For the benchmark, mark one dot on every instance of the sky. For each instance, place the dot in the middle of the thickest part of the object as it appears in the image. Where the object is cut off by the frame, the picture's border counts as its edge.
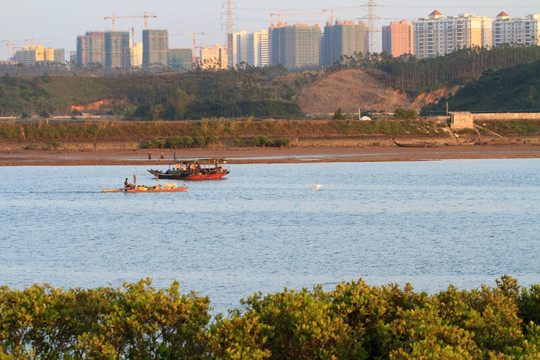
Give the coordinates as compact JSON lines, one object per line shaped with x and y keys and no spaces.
{"x":57,"y":23}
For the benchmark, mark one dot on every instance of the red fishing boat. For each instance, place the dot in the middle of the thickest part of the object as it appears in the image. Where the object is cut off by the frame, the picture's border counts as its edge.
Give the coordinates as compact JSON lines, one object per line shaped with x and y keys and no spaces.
{"x":205,"y":169}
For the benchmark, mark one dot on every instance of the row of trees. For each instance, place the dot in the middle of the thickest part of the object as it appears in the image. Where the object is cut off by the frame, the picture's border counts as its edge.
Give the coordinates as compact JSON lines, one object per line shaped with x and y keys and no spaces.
{"x":353,"y":321}
{"x":515,"y":88}
{"x":227,"y":93}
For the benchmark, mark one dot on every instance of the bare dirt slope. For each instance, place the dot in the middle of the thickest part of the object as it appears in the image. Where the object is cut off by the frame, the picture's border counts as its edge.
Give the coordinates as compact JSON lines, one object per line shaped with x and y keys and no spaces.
{"x":352,"y":89}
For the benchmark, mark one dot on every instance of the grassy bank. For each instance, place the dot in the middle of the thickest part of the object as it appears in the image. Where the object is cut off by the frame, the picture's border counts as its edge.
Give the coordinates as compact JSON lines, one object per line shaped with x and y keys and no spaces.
{"x":221,"y":128}
{"x":220,"y":132}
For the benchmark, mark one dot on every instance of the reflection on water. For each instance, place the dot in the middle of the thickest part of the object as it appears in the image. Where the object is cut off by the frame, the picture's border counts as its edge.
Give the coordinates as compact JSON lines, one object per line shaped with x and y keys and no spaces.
{"x":264,"y":228}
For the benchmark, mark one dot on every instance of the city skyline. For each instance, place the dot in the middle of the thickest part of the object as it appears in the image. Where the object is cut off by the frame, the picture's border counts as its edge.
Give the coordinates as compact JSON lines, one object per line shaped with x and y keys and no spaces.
{"x":58,"y":26}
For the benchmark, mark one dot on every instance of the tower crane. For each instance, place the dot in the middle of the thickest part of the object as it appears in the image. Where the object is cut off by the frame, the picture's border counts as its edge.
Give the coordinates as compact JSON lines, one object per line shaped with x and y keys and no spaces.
{"x":331,"y":10}
{"x":32,"y":39}
{"x":279,"y":13}
{"x":145,"y":16}
{"x":193,"y":56}
{"x":8,"y":44}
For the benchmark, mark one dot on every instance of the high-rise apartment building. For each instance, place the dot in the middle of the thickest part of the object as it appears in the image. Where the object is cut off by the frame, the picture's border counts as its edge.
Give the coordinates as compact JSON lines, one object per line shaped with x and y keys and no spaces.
{"x":438,"y":35}
{"x":31,"y":55}
{"x":524,"y":30}
{"x":258,"y":52}
{"x":213,"y":58}
{"x":239,"y":51}
{"x":295,"y":46}
{"x":181,"y":59}
{"x":136,"y":52}
{"x":398,"y":38}
{"x":250,"y":48}
{"x":155,"y":48}
{"x":117,"y":51}
{"x":59,"y":56}
{"x":91,"y":48}
{"x":344,"y":38}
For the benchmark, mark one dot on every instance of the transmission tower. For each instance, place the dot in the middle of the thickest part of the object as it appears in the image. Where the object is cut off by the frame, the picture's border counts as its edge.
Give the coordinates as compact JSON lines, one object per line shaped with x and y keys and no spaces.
{"x":372,"y":26}
{"x":229,"y":29}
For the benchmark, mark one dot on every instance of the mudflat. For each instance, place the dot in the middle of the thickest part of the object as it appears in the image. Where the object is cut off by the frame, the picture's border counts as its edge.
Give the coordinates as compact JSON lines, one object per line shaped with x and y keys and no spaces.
{"x":242,"y":155}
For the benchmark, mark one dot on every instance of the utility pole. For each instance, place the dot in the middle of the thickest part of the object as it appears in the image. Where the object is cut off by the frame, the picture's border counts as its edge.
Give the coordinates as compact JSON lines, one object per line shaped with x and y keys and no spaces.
{"x":229,"y":29}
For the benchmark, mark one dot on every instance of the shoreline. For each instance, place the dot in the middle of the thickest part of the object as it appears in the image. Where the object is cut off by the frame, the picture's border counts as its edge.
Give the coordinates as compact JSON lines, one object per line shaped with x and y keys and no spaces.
{"x":303,"y":154}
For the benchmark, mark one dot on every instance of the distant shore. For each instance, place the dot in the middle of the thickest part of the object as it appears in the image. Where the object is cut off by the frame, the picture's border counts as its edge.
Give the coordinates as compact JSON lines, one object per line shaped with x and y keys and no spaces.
{"x":266,"y":155}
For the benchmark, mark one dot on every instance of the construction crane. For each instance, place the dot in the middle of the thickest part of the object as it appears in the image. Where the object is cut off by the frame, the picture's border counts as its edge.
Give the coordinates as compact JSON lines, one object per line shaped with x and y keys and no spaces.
{"x":8,"y":44}
{"x":145,"y":16}
{"x":32,"y":39}
{"x":193,"y":56}
{"x":14,"y":45}
{"x":279,"y":13}
{"x":331,"y":10}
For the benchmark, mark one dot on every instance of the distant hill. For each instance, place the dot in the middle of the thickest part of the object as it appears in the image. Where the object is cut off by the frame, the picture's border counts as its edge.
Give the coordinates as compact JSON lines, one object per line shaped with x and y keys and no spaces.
{"x":515,"y":88}
{"x":354,"y":89}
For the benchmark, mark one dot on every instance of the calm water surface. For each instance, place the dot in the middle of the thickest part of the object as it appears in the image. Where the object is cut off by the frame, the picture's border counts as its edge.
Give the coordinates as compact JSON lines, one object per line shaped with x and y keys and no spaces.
{"x":431,"y":224}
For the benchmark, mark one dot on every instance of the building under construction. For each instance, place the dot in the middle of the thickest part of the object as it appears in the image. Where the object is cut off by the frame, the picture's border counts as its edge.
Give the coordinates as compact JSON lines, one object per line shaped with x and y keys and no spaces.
{"x":155,"y":48}
{"x":296,"y":46}
{"x":344,"y":38}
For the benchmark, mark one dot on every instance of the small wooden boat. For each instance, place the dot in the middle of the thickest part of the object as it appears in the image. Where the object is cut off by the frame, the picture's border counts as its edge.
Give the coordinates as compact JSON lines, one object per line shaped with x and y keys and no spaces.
{"x":134,"y":188}
{"x":146,"y":189}
{"x":417,"y":144}
{"x":149,"y":189}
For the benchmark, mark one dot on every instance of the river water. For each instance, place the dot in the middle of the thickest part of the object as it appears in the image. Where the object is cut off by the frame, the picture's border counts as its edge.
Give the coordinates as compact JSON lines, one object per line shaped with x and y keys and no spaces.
{"x":263,"y":228}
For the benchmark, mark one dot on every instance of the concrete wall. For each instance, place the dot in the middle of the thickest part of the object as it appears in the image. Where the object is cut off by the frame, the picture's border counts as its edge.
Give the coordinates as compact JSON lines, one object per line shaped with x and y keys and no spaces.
{"x":461,"y":120}
{"x":507,"y":116}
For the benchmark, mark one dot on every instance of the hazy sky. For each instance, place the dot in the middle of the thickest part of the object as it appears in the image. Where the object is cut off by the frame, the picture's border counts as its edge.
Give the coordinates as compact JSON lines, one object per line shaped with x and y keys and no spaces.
{"x":56,"y":23}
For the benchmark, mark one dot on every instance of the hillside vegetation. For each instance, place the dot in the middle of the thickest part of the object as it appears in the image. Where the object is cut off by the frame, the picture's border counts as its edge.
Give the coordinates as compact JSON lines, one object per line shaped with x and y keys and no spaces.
{"x":384,"y":83}
{"x":515,"y":88}
{"x":230,"y":93}
{"x":376,"y":82}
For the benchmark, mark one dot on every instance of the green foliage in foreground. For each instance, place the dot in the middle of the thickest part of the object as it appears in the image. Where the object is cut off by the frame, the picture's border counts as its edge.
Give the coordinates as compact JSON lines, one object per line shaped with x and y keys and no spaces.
{"x":353,"y":321}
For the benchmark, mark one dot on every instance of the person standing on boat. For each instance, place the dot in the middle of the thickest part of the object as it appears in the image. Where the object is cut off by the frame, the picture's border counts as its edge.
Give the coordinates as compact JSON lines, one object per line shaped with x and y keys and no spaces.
{"x":126,"y":184}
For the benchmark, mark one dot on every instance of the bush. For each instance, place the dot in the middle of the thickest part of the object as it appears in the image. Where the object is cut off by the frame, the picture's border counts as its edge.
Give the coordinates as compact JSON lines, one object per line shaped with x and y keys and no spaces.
{"x":212,"y":139}
{"x":338,"y":115}
{"x":353,"y":321}
{"x":405,"y":114}
{"x":260,"y":141}
{"x":44,"y":114}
